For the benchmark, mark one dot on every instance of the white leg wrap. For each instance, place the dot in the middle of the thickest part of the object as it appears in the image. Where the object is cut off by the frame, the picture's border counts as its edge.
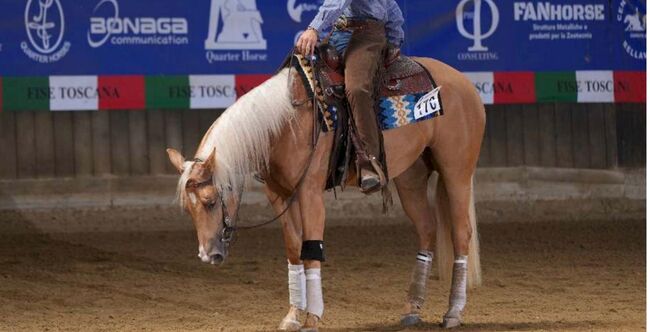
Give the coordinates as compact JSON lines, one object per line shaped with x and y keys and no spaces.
{"x":458,"y":295}
{"x":418,"y":288}
{"x":315,"y":304}
{"x":297,"y":286}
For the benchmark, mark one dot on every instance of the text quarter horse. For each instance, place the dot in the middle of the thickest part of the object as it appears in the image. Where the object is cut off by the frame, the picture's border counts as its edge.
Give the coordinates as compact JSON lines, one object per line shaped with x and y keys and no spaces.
{"x":264,"y":132}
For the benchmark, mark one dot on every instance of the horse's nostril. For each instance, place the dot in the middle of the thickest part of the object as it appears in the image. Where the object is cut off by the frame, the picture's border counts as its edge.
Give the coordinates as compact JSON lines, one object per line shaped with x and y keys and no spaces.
{"x":217,"y":259}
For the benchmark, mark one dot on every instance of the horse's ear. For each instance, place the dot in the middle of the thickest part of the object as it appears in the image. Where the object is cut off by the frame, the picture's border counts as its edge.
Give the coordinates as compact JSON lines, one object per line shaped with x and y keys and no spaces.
{"x":211,"y":163}
{"x":176,"y":158}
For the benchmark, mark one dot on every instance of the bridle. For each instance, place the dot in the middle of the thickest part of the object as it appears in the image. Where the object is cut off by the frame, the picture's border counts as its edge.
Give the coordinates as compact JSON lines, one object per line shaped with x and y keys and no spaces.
{"x":229,"y":224}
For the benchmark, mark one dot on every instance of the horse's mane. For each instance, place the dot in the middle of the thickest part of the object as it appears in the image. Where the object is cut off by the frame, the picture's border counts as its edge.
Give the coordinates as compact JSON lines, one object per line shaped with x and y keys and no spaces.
{"x":242,"y":135}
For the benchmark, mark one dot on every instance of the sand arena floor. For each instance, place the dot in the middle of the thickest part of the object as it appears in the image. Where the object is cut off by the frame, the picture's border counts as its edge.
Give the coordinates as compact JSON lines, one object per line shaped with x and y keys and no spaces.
{"x":553,"y":276}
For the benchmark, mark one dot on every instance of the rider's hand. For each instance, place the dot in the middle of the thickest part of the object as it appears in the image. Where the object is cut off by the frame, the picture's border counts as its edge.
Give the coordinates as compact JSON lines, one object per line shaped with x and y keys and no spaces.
{"x":307,"y":42}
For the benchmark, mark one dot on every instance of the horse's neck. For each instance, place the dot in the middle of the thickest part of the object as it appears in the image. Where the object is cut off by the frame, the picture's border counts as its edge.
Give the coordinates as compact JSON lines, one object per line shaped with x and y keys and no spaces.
{"x":243,"y":136}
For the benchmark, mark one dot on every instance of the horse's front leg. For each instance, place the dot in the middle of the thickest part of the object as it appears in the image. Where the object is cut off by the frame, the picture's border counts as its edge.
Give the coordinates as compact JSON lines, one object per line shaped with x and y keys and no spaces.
{"x":312,"y":210}
{"x":292,"y":233}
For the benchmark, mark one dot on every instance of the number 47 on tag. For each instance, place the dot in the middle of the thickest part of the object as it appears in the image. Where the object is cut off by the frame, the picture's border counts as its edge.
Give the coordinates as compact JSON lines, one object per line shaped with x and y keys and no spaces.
{"x":428,"y":104}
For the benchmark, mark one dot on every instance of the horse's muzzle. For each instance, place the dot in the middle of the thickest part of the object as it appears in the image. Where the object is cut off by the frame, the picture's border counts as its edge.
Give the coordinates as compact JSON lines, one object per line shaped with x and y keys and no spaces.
{"x":215,"y":257}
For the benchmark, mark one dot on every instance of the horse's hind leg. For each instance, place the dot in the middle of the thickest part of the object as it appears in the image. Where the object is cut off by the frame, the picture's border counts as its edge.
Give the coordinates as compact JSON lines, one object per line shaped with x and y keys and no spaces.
{"x":454,"y":196}
{"x":412,"y":189}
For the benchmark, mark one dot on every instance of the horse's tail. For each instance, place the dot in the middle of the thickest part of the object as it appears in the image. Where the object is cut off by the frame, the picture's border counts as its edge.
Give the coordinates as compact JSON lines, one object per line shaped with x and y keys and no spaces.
{"x":444,"y":243}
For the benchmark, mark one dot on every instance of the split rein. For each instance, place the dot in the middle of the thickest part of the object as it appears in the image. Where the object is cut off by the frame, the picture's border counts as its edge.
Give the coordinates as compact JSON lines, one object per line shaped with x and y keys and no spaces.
{"x":229,"y":223}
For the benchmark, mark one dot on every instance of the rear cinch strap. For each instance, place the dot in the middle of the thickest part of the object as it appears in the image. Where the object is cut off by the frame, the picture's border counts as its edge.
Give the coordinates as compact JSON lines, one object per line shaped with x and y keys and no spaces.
{"x":313,"y":250}
{"x":417,"y":291}
{"x":458,"y":296}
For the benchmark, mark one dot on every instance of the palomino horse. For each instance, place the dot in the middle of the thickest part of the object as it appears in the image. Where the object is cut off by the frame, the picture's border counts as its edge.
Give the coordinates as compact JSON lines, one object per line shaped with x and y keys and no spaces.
{"x":269,"y":132}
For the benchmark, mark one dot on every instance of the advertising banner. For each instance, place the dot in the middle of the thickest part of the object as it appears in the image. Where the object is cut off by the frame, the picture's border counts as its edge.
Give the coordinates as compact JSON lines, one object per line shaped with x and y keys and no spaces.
{"x":121,"y":54}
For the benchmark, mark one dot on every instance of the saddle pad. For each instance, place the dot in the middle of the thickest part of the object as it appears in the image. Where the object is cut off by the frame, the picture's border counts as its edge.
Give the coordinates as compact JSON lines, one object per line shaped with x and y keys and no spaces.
{"x":398,"y":111}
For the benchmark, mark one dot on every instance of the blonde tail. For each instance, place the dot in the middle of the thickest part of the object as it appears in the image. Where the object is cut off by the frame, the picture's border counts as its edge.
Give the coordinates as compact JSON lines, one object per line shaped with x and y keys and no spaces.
{"x":444,"y":243}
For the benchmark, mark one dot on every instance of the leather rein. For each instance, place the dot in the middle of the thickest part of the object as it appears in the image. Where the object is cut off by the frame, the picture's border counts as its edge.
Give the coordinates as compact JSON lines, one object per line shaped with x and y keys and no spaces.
{"x":228,"y":222}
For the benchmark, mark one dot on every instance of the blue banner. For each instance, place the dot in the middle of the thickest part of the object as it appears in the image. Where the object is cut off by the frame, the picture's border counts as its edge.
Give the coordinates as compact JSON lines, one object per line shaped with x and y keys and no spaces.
{"x":559,"y":35}
{"x":173,"y":37}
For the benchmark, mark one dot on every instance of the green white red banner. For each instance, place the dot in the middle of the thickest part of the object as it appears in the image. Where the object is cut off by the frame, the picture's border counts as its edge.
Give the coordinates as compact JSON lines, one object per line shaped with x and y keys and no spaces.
{"x":105,"y":93}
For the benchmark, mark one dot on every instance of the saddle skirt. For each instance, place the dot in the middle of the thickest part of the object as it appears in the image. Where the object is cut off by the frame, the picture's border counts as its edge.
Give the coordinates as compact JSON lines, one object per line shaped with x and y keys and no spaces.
{"x":406,"y":91}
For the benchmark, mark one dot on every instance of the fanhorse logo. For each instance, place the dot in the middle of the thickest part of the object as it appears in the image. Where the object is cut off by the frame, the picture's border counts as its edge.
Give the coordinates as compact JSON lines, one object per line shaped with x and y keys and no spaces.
{"x":477,"y":34}
{"x":241,"y":26}
{"x":45,"y":25}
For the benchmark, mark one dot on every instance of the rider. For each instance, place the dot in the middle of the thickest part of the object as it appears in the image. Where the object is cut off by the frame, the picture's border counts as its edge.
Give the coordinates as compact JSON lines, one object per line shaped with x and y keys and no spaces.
{"x":363,"y":31}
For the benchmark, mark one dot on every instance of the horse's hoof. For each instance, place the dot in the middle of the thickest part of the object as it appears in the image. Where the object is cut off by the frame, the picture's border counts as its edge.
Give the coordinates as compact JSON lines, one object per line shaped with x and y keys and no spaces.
{"x":289,"y":325}
{"x":311,"y":323}
{"x":410,"y":320}
{"x":450,"y":322}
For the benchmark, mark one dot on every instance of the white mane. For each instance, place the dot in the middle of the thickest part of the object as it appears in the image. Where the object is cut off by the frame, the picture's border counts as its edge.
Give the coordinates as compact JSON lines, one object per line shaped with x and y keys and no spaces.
{"x":242,"y":135}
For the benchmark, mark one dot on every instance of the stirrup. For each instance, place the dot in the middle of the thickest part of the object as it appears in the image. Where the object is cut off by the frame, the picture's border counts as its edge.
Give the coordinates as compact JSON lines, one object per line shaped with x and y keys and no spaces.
{"x":378,"y":170}
{"x":370,"y":183}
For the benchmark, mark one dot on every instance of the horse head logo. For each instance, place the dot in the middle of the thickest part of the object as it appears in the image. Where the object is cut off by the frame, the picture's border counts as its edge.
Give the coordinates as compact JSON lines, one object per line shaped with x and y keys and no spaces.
{"x":296,"y":9}
{"x":635,"y":22}
{"x":477,"y":34}
{"x":45,"y":24}
{"x":241,"y":26}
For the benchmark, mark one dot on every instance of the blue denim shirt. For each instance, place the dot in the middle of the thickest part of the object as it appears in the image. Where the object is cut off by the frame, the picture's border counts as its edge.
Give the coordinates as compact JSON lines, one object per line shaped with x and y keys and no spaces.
{"x":383,"y":10}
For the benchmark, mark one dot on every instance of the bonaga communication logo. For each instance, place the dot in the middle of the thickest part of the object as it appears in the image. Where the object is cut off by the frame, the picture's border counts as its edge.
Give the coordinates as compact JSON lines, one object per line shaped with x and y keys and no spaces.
{"x":632,"y":16}
{"x":45,"y":27}
{"x":107,"y":26}
{"x":477,"y":20}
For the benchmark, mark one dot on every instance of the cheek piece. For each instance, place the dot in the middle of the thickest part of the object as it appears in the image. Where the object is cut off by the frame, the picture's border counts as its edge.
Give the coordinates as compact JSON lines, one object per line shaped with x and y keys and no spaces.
{"x":313,"y":250}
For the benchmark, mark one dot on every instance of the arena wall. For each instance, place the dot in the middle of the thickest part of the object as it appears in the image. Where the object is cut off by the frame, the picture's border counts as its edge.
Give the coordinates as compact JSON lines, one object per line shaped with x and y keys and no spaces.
{"x":589,"y":152}
{"x":82,"y":144}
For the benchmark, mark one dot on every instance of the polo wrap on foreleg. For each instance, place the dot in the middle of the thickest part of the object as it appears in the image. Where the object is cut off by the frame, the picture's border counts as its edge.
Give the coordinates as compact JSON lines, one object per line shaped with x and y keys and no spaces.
{"x":418,"y":288}
{"x":458,"y":296}
{"x":297,"y":286}
{"x":315,"y":304}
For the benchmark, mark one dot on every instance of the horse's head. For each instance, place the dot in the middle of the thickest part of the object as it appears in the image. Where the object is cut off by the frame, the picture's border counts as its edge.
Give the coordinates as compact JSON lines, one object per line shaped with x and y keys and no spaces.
{"x":204,"y":201}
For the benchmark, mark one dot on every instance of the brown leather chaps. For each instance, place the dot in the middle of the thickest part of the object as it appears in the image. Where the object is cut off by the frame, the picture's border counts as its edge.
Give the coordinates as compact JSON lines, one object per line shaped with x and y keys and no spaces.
{"x":363,"y":58}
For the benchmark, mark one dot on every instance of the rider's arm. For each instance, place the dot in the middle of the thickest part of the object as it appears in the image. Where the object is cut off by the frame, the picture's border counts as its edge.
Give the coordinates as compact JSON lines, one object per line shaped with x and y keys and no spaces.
{"x":328,"y":13}
{"x":394,"y":23}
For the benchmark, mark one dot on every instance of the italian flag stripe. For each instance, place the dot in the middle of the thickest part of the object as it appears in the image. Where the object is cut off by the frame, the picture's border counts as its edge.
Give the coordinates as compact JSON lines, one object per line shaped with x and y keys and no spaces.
{"x":167,"y":92}
{"x":556,"y":86}
{"x":73,"y":93}
{"x":245,"y":83}
{"x":26,"y":94}
{"x":212,"y":91}
{"x":630,"y":87}
{"x":484,"y":83}
{"x":595,"y":86}
{"x":121,"y":92}
{"x":514,"y":88}
{"x":134,"y":92}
